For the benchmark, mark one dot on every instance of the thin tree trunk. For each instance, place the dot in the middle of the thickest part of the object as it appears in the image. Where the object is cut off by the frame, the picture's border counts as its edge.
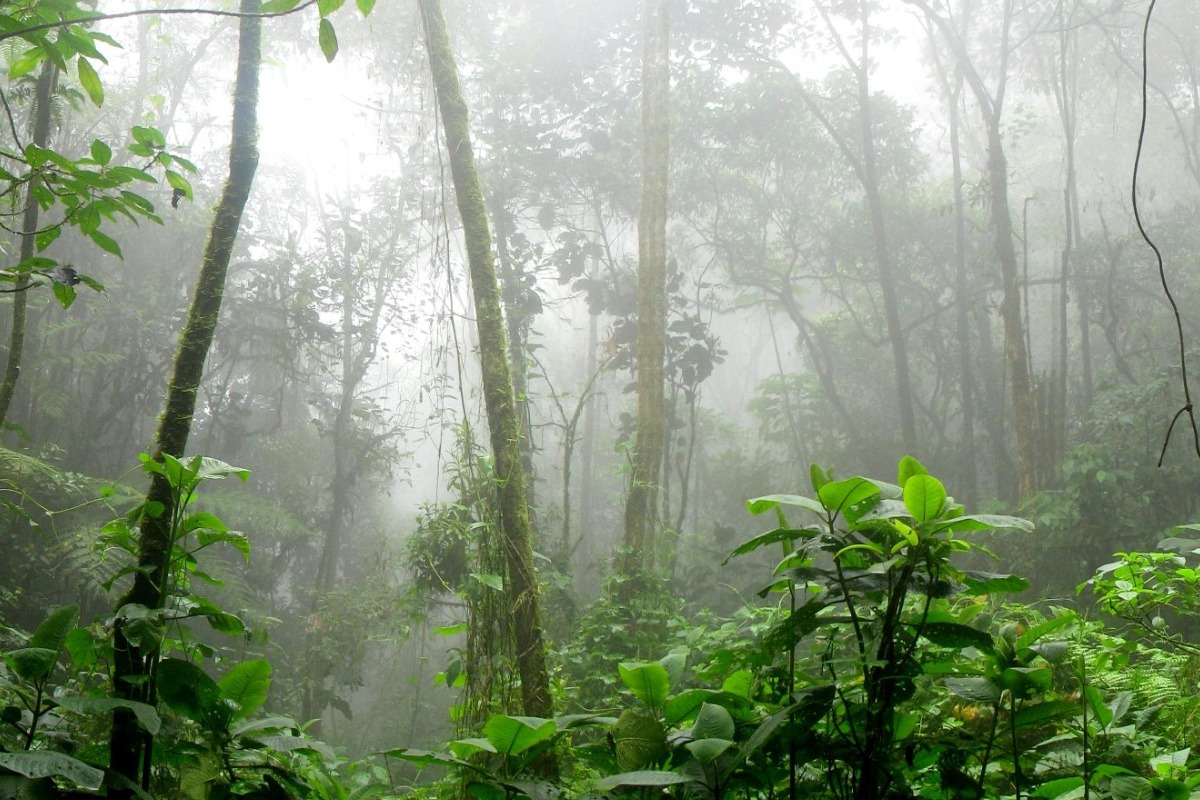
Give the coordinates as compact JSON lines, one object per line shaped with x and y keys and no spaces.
{"x":641,"y":506}
{"x":133,"y":666}
{"x":516,"y":530}
{"x":29,"y":223}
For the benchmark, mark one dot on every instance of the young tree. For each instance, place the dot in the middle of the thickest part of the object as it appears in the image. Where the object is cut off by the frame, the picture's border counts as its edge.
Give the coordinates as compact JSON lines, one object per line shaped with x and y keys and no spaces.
{"x":516,"y":529}
{"x":641,"y":506}
{"x":133,"y":665}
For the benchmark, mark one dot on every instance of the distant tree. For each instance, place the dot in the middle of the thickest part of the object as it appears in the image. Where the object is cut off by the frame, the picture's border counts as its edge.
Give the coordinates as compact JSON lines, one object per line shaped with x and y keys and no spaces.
{"x":641,"y":503}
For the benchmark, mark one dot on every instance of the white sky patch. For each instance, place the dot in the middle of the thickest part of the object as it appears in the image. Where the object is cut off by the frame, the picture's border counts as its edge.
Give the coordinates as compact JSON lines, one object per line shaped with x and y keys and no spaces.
{"x":317,"y":116}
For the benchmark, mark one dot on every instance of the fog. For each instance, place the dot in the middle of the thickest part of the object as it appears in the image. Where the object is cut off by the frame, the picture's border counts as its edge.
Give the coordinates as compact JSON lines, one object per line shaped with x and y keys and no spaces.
{"x":837,"y":293}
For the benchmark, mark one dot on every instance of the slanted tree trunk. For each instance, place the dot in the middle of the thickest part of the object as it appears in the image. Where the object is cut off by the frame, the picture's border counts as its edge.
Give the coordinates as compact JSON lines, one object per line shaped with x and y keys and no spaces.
{"x":516,"y":530}
{"x":641,"y":506}
{"x":991,"y":108}
{"x":133,"y":667}
{"x":29,"y":223}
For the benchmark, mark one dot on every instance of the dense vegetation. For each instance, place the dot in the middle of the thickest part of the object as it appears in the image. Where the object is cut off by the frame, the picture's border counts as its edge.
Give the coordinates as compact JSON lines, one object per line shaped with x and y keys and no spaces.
{"x":469,"y":452}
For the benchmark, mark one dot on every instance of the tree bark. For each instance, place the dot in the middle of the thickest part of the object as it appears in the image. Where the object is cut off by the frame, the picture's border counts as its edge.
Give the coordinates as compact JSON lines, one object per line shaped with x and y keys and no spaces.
{"x":641,"y":506}
{"x":516,"y":530}
{"x":29,"y":223}
{"x":132,"y":665}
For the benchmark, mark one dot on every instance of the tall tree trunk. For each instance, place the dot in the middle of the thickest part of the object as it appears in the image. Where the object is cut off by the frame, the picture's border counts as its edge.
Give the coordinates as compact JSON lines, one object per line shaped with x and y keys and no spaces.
{"x":133,"y":666}
{"x":991,"y":107}
{"x":504,"y":426}
{"x":963,"y":317}
{"x":29,"y":223}
{"x":641,"y":506}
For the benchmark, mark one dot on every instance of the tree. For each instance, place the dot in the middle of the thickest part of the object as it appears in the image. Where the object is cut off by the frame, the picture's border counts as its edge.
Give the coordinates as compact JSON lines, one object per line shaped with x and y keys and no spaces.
{"x":990,"y":102}
{"x":134,"y":664}
{"x":641,"y":504}
{"x":516,"y":529}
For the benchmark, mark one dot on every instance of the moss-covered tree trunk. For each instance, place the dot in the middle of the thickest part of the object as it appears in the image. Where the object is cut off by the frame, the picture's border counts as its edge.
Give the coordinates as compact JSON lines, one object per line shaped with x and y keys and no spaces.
{"x":29,"y":224}
{"x":504,"y":426}
{"x":133,"y":666}
{"x":641,"y":504}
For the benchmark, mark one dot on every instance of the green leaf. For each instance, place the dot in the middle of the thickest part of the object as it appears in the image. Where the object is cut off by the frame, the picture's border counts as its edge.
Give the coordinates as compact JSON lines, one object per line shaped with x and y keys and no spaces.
{"x":713,"y":722}
{"x":82,"y":649}
{"x":147,"y":717}
{"x":957,"y":636}
{"x":278,"y":6}
{"x":489,"y":580}
{"x":924,"y":497}
{"x":761,"y":505}
{"x":1038,"y":713}
{"x":643,"y":778}
{"x":985,"y":522}
{"x":63,"y":293}
{"x":707,"y":751}
{"x":52,"y":633}
{"x":1130,"y":787}
{"x":31,"y":663}
{"x":151,"y":138}
{"x":639,"y":739}
{"x":90,"y":82}
{"x":327,"y":7}
{"x":993,"y":582}
{"x":101,"y":152}
{"x":784,"y":535}
{"x":46,"y":237}
{"x":841,"y":495}
{"x":327,"y":38}
{"x":907,"y":468}
{"x":649,"y":682}
{"x":105,"y":243}
{"x":1058,"y":787}
{"x":45,"y":764}
{"x":187,"y":689}
{"x":212,"y":469}
{"x":977,"y":690}
{"x":247,"y":685}
{"x":365,"y":7}
{"x":512,"y":735}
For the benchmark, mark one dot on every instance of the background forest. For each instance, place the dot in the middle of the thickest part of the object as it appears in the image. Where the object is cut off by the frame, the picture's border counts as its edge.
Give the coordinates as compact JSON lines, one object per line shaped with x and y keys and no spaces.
{"x":598,"y":529}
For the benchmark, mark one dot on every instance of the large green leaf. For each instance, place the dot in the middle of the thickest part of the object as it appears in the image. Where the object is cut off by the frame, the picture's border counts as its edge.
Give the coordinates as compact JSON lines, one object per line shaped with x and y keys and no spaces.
{"x":641,"y":778}
{"x":841,"y":495}
{"x":512,"y":735}
{"x":146,"y":715}
{"x":650,"y":682}
{"x":713,"y":722}
{"x":1038,"y":713}
{"x":985,"y":522}
{"x":31,"y":663}
{"x":761,"y":505}
{"x":246,"y":685}
{"x":47,"y":764}
{"x":924,"y":497}
{"x":639,"y":740}
{"x":707,"y":751}
{"x":907,"y":468}
{"x":52,"y":633}
{"x":188,"y":690}
{"x":977,"y":690}
{"x":993,"y":582}
{"x":957,"y":635}
{"x":784,"y":535}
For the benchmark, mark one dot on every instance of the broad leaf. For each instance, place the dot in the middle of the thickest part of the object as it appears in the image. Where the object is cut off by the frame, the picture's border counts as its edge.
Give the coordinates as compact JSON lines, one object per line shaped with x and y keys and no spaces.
{"x":924,"y":497}
{"x":907,"y":468}
{"x":958,"y":636}
{"x":761,"y":505}
{"x":327,"y":38}
{"x":512,"y":735}
{"x":90,"y":82}
{"x":639,"y":740}
{"x":993,"y":582}
{"x":1038,"y":713}
{"x":841,"y":495}
{"x":642,"y":778}
{"x":707,"y":751}
{"x":649,"y":682}
{"x":713,"y":722}
{"x":977,"y":690}
{"x":187,"y":689}
{"x":46,"y":764}
{"x":246,"y":685}
{"x":147,"y":717}
{"x":52,"y":633}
